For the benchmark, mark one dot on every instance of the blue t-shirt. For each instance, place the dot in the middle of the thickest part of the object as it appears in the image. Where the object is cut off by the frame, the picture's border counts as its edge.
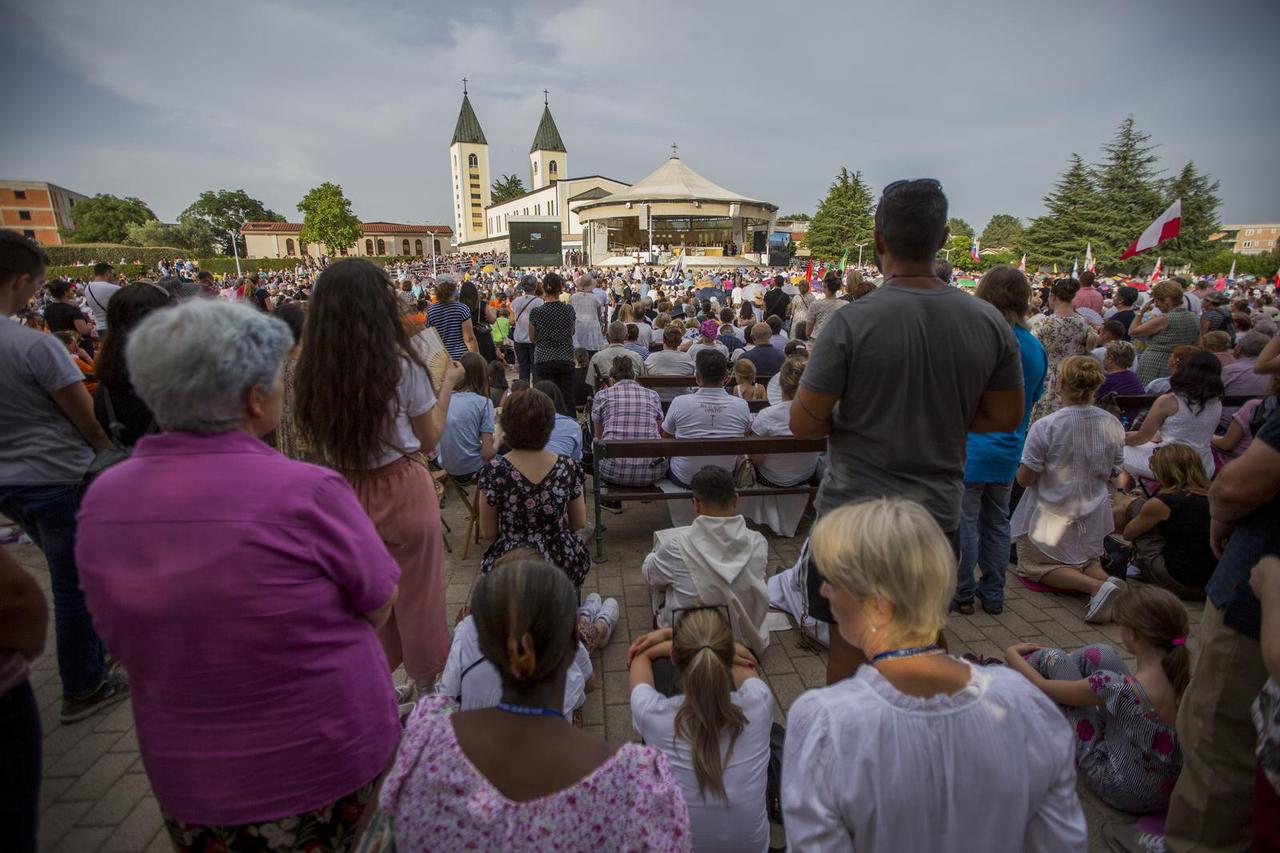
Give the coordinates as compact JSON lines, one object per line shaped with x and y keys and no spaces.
{"x":566,"y":438}
{"x":992,"y":457}
{"x":470,"y":415}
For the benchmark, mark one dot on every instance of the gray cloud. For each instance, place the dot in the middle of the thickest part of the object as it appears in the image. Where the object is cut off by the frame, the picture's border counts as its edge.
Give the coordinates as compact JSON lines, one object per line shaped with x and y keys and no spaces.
{"x":165,"y":99}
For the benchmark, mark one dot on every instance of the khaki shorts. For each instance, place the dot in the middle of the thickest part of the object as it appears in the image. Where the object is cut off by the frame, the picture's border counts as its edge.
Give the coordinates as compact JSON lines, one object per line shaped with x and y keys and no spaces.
{"x":1033,"y":564}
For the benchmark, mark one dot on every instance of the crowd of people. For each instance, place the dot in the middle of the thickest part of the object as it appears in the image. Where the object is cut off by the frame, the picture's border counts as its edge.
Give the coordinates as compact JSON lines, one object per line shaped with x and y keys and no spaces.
{"x":234,"y":485}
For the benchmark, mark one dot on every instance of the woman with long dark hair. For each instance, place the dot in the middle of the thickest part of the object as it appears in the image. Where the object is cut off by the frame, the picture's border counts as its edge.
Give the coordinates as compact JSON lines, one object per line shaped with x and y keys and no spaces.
{"x":125,"y":311}
{"x":366,"y":404}
{"x":482,"y":317}
{"x":1188,"y":415}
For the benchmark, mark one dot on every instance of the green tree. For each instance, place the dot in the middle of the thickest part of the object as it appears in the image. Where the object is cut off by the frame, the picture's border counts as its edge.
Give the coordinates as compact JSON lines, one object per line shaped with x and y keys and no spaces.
{"x":960,"y":228}
{"x":327,"y":218}
{"x":505,"y":188}
{"x":1072,"y":221}
{"x":193,"y":236}
{"x":224,"y":211}
{"x":1200,"y":203}
{"x":106,"y":219}
{"x":1004,"y":231}
{"x":797,"y":217}
{"x":843,"y":220}
{"x":1129,"y":192}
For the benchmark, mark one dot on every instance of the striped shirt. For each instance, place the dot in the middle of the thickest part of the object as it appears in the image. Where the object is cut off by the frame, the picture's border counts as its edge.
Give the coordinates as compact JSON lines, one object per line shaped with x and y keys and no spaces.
{"x":447,"y":319}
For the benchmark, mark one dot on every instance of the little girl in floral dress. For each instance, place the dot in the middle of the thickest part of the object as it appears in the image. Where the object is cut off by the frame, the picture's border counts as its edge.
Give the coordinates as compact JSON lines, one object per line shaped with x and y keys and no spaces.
{"x":1126,"y":747}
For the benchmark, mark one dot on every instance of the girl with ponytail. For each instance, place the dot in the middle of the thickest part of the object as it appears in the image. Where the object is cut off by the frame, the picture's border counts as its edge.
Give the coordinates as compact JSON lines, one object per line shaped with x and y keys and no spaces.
{"x":1126,"y":746}
{"x":716,"y":734}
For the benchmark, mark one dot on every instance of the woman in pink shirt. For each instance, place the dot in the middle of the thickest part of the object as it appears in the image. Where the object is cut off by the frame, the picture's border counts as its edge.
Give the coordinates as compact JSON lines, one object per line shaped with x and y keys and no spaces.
{"x":241,"y":592}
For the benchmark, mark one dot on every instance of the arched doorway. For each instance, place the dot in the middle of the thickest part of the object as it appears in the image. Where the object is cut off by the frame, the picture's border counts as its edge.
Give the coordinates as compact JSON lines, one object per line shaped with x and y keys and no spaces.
{"x":368,"y":247}
{"x":382,"y":247}
{"x":417,"y":248}
{"x":404,"y":246}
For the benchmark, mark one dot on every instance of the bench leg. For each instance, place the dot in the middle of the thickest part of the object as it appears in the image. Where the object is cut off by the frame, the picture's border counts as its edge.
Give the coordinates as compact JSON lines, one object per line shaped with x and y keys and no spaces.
{"x":599,"y":532}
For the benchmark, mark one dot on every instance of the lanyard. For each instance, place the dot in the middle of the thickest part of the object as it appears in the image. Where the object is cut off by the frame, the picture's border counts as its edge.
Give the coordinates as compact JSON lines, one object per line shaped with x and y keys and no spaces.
{"x":913,"y":651}
{"x":530,"y":710}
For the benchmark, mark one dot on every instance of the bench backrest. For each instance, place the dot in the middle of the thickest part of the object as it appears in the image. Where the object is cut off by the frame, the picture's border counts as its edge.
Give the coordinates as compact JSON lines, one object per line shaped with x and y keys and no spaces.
{"x":653,"y":448}
{"x":1135,"y":403}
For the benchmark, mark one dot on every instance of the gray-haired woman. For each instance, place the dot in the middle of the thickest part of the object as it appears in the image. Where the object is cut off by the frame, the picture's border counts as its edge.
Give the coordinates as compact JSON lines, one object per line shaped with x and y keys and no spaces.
{"x":240,"y":590}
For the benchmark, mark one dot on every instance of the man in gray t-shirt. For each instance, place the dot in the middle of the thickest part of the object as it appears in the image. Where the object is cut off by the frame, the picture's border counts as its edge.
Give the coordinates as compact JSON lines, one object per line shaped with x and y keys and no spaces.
{"x":49,"y":435}
{"x":900,"y":377}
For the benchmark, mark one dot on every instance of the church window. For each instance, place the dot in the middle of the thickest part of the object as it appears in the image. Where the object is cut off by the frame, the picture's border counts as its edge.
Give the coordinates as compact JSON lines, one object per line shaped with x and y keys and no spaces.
{"x":417,"y":248}
{"x":288,"y":246}
{"x":382,"y":247}
{"x":473,"y":161}
{"x":404,"y":247}
{"x":535,"y":167}
{"x":368,"y":247}
{"x":553,"y":168}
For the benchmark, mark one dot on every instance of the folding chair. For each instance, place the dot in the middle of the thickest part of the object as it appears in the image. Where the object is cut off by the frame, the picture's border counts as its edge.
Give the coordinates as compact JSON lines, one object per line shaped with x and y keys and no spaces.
{"x":472,"y":503}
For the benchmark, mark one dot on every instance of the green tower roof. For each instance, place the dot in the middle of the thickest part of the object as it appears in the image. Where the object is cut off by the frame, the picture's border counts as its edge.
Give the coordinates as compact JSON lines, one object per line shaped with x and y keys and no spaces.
{"x":548,"y":137}
{"x":468,"y":126}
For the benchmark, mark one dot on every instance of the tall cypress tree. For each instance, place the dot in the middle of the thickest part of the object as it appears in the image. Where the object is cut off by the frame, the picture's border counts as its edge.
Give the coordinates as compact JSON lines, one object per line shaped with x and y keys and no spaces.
{"x":843,"y":220}
{"x":1200,"y":203}
{"x":1129,"y":192}
{"x":1074,"y":219}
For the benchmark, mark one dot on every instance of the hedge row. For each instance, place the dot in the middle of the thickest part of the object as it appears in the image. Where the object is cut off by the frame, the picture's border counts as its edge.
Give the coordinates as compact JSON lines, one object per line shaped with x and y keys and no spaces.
{"x":88,"y":253}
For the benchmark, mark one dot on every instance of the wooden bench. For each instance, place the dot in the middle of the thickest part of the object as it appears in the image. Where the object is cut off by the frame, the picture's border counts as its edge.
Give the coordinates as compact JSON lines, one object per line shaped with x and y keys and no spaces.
{"x":665,"y":448}
{"x":690,"y":381}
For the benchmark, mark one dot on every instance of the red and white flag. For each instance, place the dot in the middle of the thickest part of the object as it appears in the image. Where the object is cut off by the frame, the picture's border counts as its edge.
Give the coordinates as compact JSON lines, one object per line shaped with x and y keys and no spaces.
{"x":1022,"y":264}
{"x":1167,"y":226}
{"x":1155,"y":273}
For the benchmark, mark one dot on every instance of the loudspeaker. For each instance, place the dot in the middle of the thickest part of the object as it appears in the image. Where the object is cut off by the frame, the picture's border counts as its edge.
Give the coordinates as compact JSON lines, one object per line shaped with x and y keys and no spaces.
{"x":758,"y":241}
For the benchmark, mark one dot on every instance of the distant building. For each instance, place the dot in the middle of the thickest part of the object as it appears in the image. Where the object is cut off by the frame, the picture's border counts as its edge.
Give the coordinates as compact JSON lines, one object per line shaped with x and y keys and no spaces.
{"x":1250,"y":239}
{"x":37,"y":209}
{"x":378,"y":239}
{"x":482,"y":226}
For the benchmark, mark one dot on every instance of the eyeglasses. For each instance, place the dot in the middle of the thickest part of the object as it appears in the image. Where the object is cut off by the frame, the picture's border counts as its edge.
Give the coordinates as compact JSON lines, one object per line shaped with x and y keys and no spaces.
{"x":897,"y":185}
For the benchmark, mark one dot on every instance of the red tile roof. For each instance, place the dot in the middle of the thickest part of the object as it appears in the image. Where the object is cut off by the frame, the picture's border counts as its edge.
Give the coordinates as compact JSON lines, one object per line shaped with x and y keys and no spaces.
{"x":366,"y":227}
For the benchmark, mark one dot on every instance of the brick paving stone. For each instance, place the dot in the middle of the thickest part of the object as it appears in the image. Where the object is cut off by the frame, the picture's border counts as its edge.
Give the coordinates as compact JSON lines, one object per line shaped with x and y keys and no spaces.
{"x":134,"y":833}
{"x":117,"y":802}
{"x":52,"y":788}
{"x":82,"y":756}
{"x":57,"y":821}
{"x":787,"y":688}
{"x":83,"y":839}
{"x":97,"y":780}
{"x":615,"y":687}
{"x":617,"y":724}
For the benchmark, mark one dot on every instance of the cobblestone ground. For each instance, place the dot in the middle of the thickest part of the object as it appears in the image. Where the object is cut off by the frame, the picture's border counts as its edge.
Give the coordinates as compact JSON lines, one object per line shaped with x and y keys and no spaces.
{"x":95,"y":795}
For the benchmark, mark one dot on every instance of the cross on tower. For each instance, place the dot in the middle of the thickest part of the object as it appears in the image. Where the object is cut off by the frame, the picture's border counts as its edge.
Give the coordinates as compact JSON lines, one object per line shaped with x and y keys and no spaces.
{"x":674,"y":148}
{"x":464,"y":85}
{"x":545,"y":96}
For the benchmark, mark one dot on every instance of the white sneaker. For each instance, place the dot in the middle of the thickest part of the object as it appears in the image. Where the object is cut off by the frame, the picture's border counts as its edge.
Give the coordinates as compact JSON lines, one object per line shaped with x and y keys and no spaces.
{"x":1101,"y":605}
{"x":608,"y":614}
{"x":590,"y":607}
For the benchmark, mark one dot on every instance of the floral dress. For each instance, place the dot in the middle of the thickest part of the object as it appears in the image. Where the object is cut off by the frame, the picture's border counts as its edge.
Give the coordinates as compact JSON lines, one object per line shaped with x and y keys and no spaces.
{"x":532,"y":515}
{"x":1126,"y":754}
{"x":434,"y":799}
{"x":1062,"y":338}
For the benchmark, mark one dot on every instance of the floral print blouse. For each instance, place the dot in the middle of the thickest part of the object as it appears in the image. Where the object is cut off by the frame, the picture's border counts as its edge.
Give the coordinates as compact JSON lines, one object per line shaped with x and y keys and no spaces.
{"x":1062,"y":338}
{"x":533,"y":515}
{"x":435,"y":799}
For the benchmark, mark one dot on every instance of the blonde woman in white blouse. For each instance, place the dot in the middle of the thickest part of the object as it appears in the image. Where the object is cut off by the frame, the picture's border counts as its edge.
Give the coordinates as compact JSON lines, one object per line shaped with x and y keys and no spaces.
{"x":918,"y":750}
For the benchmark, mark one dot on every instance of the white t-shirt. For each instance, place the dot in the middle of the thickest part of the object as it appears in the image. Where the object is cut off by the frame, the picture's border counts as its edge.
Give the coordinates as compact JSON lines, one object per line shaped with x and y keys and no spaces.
{"x":693,"y":351}
{"x":521,"y":308}
{"x":782,"y":469}
{"x":97,"y":295}
{"x":414,"y":397}
{"x":669,"y":362}
{"x":472,"y":680}
{"x":774,"y":389}
{"x":706,"y":413}
{"x":740,"y":822}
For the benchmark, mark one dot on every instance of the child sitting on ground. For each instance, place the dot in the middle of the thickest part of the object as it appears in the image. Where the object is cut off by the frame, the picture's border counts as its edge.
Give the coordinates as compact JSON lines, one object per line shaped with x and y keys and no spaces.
{"x":1126,"y":747}
{"x":715,"y":560}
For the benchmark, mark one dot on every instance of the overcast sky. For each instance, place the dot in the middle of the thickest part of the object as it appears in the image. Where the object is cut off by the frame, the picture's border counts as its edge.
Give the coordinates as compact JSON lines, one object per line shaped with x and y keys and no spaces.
{"x":162,"y":99}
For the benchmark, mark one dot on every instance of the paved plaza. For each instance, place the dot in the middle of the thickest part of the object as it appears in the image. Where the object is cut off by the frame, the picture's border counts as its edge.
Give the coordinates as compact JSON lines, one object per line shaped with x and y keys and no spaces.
{"x":95,"y":794}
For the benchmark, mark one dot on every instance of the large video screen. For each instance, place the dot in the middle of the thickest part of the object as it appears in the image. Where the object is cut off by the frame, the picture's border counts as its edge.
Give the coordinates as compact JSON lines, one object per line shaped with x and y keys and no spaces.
{"x":778,"y":254}
{"x":535,"y":244}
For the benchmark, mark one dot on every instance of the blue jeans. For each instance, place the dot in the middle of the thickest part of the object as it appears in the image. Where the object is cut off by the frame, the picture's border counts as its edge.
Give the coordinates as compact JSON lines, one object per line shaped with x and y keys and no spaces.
{"x":48,"y":515}
{"x":984,"y":541}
